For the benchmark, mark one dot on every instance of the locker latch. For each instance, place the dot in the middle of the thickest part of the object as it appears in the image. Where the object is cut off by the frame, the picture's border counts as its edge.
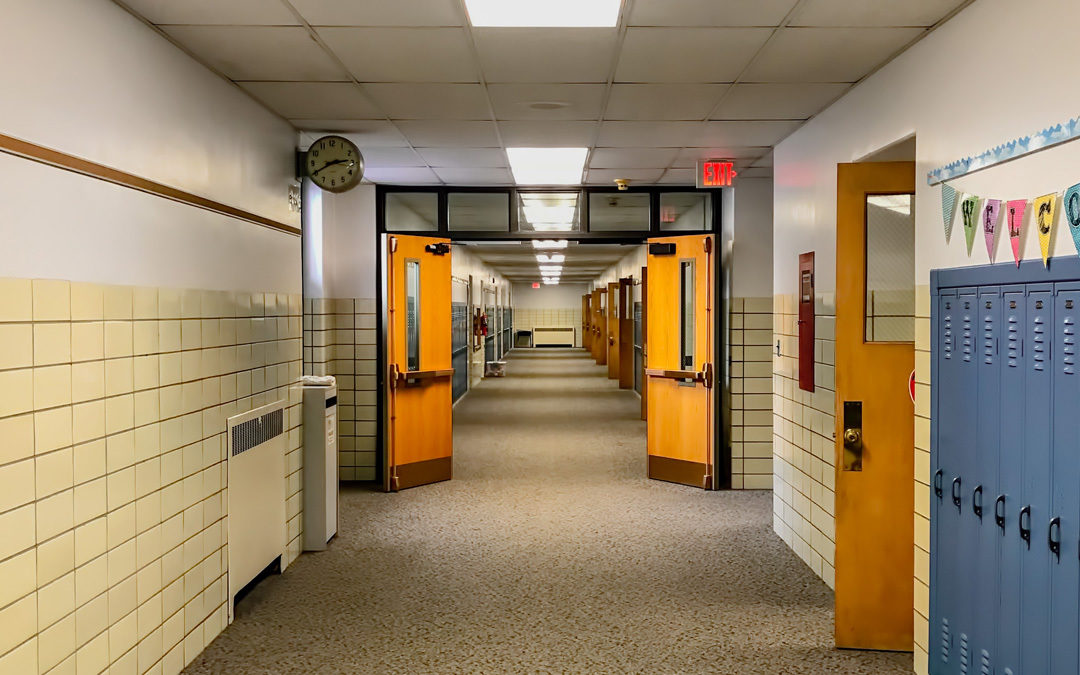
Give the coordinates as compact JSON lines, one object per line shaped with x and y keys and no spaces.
{"x":853,"y":440}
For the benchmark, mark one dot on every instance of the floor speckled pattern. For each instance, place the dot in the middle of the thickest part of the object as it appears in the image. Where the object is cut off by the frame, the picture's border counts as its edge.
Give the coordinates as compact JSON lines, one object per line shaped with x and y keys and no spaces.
{"x":549,"y":552}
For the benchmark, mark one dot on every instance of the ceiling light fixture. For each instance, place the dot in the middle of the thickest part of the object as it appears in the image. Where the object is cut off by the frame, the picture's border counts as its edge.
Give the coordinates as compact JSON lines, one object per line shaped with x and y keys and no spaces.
{"x":553,"y":258}
{"x":547,"y":166}
{"x":546,"y":14}
{"x":551,"y":270}
{"x":551,"y":282}
{"x":549,"y":243}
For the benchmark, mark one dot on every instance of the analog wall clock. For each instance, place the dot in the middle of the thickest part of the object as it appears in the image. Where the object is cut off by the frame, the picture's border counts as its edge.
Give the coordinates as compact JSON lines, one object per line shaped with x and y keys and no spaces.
{"x":334,"y":164}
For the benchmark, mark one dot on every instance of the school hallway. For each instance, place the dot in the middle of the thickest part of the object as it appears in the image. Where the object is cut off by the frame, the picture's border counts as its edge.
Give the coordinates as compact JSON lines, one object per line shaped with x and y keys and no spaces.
{"x":549,"y":551}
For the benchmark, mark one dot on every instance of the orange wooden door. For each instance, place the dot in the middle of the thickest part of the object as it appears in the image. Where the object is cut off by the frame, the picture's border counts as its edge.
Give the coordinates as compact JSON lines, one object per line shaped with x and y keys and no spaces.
{"x":679,"y":361}
{"x":419,"y":430}
{"x":613,"y":317}
{"x":874,"y":501}
{"x":626,"y":333}
{"x":586,"y":329}
{"x":644,"y":341}
{"x":600,"y":298}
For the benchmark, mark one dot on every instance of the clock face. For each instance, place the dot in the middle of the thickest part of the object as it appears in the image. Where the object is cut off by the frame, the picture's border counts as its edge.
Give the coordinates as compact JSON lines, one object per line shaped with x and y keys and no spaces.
{"x":334,"y":163}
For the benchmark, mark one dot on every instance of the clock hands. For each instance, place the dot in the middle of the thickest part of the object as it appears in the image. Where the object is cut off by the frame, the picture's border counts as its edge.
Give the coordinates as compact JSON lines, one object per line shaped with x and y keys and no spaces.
{"x":350,"y":162}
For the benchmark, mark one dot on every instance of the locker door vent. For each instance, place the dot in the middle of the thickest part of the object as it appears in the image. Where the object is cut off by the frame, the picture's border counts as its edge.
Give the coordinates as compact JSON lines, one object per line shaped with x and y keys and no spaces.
{"x":946,"y":640}
{"x":947,"y":341}
{"x":965,"y":654}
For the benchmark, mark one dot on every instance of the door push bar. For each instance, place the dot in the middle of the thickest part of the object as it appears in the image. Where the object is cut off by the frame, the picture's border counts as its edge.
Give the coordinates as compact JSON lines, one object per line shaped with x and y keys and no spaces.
{"x":415,"y":378}
{"x":704,"y":376}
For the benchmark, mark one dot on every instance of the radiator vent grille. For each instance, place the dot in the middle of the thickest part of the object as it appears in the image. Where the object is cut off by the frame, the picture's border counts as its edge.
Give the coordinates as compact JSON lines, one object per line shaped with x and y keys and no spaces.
{"x":255,"y":432}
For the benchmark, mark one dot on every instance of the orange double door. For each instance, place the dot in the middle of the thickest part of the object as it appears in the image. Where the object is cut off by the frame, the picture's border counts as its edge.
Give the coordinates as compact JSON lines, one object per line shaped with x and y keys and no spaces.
{"x":682,"y":402}
{"x":586,"y":326}
{"x":418,"y":423}
{"x":599,"y":325}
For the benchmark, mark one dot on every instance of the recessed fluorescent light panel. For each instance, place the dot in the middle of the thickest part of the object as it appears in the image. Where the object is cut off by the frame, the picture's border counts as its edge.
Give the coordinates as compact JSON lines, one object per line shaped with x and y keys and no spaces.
{"x":556,"y":258}
{"x":548,"y":244}
{"x":544,"y":13}
{"x":547,"y":166}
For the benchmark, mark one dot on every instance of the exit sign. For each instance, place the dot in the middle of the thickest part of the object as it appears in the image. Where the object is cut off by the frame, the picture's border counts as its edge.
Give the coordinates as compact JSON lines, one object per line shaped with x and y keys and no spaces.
{"x":715,"y":174}
{"x":536,"y":284}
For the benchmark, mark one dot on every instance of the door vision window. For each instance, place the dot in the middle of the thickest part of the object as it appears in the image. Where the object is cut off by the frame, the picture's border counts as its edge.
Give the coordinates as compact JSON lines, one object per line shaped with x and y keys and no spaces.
{"x":686,"y":312}
{"x":412,"y":314}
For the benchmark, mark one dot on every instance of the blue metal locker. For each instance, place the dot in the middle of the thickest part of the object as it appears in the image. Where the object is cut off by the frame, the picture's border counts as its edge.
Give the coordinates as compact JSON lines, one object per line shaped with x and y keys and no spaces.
{"x":1035,"y":495}
{"x":1062,"y":529}
{"x":944,"y":516}
{"x":965,"y":412}
{"x":984,"y":480}
{"x":1010,"y":473}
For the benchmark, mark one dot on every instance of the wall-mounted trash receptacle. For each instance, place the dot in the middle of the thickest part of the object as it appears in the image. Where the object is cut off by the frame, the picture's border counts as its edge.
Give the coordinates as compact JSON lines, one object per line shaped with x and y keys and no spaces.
{"x":320,"y":466}
{"x":523,"y":338}
{"x":495,"y":369}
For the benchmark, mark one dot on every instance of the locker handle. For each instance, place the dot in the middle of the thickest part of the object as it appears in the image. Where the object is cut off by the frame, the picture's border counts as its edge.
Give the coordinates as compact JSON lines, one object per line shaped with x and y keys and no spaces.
{"x":999,"y":514}
{"x":956,"y":492}
{"x":937,"y":483}
{"x":1054,"y":542}
{"x":1025,"y":532}
{"x":976,"y":501}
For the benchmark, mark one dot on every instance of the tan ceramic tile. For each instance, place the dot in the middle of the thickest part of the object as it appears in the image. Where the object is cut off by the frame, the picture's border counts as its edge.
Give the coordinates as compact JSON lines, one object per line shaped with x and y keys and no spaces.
{"x":16,"y":300}
{"x":119,"y":376}
{"x":52,"y":386}
{"x":145,"y":303}
{"x":119,"y":303}
{"x":118,"y":339}
{"x":87,"y":302}
{"x":87,"y":341}
{"x":16,"y":345}
{"x":87,"y":381}
{"x":18,"y":438}
{"x":52,"y":343}
{"x":52,"y":300}
{"x":52,"y":429}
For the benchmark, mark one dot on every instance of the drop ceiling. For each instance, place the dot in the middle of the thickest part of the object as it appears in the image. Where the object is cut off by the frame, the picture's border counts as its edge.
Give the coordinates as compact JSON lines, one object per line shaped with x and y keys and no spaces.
{"x":429,"y":99}
{"x":517,"y":262}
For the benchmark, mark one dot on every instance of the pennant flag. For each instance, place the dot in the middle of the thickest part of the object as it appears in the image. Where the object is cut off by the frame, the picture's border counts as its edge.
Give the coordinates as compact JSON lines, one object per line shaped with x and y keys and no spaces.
{"x":1016,"y":222}
{"x":1072,"y":213}
{"x":948,"y":208}
{"x":1044,"y":221}
{"x":991,"y":214}
{"x":968,"y":208}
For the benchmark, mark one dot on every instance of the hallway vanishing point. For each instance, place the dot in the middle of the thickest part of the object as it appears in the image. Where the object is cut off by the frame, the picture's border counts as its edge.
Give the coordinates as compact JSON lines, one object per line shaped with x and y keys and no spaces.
{"x":549,"y":552}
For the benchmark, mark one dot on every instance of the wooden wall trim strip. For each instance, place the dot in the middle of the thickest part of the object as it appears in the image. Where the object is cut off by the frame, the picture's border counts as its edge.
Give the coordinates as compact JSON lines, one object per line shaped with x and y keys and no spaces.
{"x":61,"y":160}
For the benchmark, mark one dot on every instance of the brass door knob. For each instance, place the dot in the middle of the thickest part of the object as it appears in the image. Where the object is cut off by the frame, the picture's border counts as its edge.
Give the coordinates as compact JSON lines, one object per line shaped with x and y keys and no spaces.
{"x":852,"y":436}
{"x":611,"y":341}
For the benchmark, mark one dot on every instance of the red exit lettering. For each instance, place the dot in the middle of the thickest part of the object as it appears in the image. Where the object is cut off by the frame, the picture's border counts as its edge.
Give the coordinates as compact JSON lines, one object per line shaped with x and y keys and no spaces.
{"x":716,"y":174}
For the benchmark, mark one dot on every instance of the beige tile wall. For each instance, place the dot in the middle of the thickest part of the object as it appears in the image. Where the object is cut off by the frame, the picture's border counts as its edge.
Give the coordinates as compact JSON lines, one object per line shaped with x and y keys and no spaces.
{"x":567,"y":317}
{"x":751,"y":393}
{"x":922,"y":477}
{"x":340,"y":340}
{"x":113,"y":403}
{"x":803,"y":444}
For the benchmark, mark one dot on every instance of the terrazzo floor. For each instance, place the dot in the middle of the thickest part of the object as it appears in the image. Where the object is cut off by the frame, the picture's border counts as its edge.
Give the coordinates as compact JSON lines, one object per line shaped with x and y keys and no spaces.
{"x":549,"y":552}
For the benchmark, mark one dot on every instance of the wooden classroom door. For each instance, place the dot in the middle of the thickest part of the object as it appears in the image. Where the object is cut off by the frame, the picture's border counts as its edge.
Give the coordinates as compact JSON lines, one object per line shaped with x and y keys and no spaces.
{"x":586,"y":329}
{"x":419,"y":431}
{"x":613,"y":317}
{"x":875,"y":417}
{"x":679,"y":361}
{"x":626,"y":333}
{"x":600,"y":299}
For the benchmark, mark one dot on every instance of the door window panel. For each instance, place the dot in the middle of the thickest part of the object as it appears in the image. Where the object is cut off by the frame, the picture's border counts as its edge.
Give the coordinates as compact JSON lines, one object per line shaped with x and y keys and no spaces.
{"x":412,"y":314}
{"x":479,"y":211}
{"x":549,"y":211}
{"x":412,"y":212}
{"x":685,"y":211}
{"x":890,"y":268}
{"x":615,"y":211}
{"x":686,"y":312}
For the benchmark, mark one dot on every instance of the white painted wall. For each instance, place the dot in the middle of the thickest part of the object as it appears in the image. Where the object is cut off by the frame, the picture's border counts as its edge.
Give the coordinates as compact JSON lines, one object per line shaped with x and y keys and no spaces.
{"x":752,"y":248}
{"x":563,"y":296}
{"x":628,"y":266}
{"x":87,"y":78}
{"x":340,"y":247}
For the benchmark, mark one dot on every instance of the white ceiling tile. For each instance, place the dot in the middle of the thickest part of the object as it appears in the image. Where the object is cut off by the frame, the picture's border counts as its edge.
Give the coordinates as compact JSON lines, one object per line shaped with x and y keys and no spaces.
{"x":689,"y":157}
{"x":419,"y":101}
{"x":679,"y":177}
{"x":608,"y":176}
{"x":547,"y":134}
{"x":847,"y":13}
{"x":616,"y":158}
{"x":827,"y":54}
{"x":663,"y":101}
{"x":657,"y":134}
{"x":574,"y":101}
{"x":688,"y":54}
{"x":259,"y":53}
{"x":464,"y":157}
{"x":391,"y":158}
{"x":475,"y":176}
{"x":544,"y":55}
{"x":365,"y":133}
{"x":402,"y":176}
{"x":710,"y":12}
{"x":404,"y":54}
{"x":450,"y":134}
{"x":777,"y":101}
{"x":314,"y":100}
{"x":214,"y":12}
{"x":378,"y":12}
{"x":760,"y":133}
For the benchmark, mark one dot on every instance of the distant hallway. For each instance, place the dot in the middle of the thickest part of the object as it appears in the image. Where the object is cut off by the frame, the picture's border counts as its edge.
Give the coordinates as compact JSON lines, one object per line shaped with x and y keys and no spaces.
{"x":549,"y":552}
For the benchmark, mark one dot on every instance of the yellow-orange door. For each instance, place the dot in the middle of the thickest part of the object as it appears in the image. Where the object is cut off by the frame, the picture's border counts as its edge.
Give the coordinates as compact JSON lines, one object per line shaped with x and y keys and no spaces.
{"x":419,"y":425}
{"x":875,"y":356}
{"x":613,"y":331}
{"x":626,"y":333}
{"x":679,"y":368}
{"x":600,"y":299}
{"x":585,"y":321}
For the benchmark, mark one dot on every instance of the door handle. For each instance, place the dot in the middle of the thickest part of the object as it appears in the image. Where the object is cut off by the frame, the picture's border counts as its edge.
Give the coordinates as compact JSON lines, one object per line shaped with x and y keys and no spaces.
{"x":1025,"y":532}
{"x":853,"y":436}
{"x":937,"y":484}
{"x":976,"y":501}
{"x":1054,"y":542}
{"x":611,"y":340}
{"x":999,"y":515}
{"x":956,"y":484}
